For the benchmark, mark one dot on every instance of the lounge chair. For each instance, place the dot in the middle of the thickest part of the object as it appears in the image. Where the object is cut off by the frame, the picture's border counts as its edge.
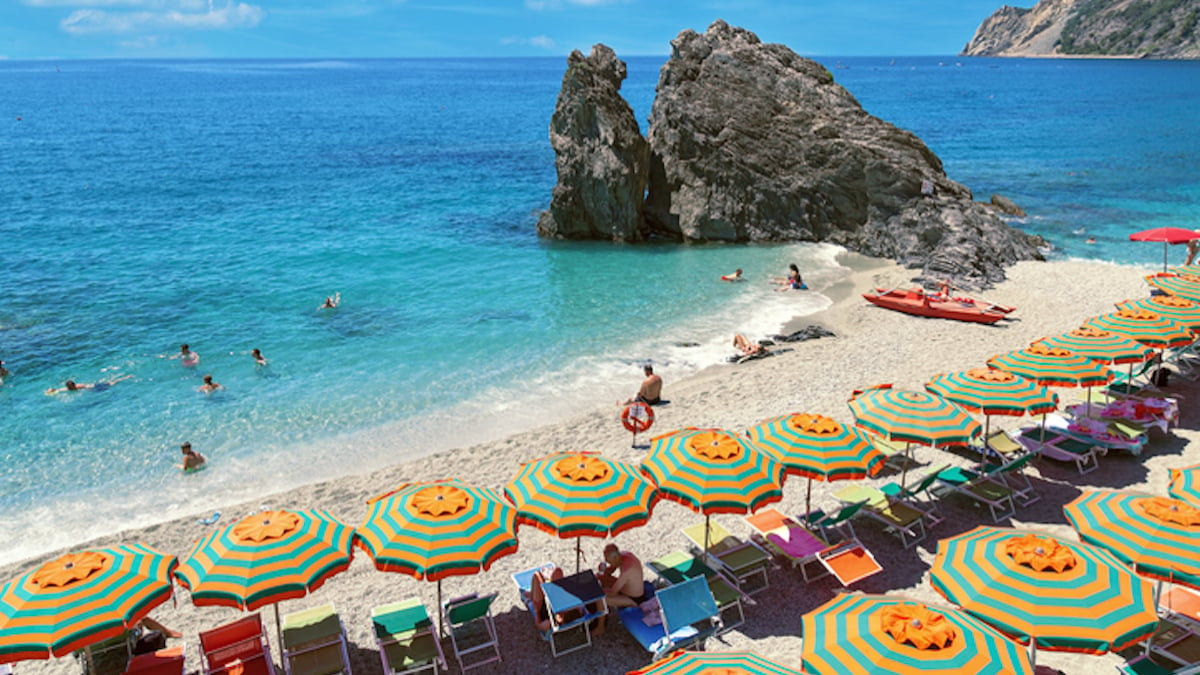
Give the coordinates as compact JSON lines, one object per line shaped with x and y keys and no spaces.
{"x":1000,"y":447}
{"x":677,"y":567}
{"x":1174,"y":643}
{"x":905,"y":520}
{"x":982,"y":487}
{"x":836,"y":526}
{"x":1181,"y":604}
{"x":1146,"y":664}
{"x":688,"y":614}
{"x":919,"y":495}
{"x":895,"y":453}
{"x":107,"y":657}
{"x":572,"y":603}
{"x":1099,"y":436}
{"x":472,"y":629}
{"x":1186,"y":361}
{"x":742,"y":560}
{"x":406,"y":639}
{"x":240,"y":646}
{"x":1012,"y":474}
{"x":314,"y":642}
{"x":1138,"y":382}
{"x":169,"y":661}
{"x":848,"y":560}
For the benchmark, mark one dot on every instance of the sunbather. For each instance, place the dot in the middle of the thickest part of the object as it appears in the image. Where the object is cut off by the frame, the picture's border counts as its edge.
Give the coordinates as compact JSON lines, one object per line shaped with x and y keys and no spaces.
{"x":621,"y":578}
{"x":747,"y":347}
{"x":537,"y":597}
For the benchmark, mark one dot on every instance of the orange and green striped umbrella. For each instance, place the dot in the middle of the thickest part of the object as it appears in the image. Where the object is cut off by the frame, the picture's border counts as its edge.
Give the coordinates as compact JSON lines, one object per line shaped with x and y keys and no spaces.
{"x":1064,"y":596}
{"x":1182,"y":310}
{"x":1100,"y":345}
{"x":1158,"y":536}
{"x":818,"y":448}
{"x":81,"y":598}
{"x":581,"y":494}
{"x":266,"y":558}
{"x":855,"y":634}
{"x":1179,"y":285}
{"x":913,"y":417}
{"x":993,"y":392}
{"x":1053,"y":366}
{"x":714,"y":663}
{"x":1192,"y":270}
{"x":713,"y":471}
{"x":436,"y":530}
{"x":1148,"y":328}
{"x":1185,"y":484}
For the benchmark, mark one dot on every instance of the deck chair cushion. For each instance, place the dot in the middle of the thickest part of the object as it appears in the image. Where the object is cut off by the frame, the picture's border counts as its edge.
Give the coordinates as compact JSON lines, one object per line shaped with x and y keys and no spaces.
{"x":312,"y":641}
{"x":405,"y":634}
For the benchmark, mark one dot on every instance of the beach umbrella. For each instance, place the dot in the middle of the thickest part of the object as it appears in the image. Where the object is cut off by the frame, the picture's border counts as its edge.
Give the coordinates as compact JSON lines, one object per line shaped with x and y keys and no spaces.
{"x":581,"y":494}
{"x":887,"y":635}
{"x":713,"y":471}
{"x":438,"y":529}
{"x":1158,"y":536}
{"x":1148,"y":328}
{"x":81,"y":598}
{"x":1179,"y":285}
{"x":1100,"y":345}
{"x":1193,"y":270}
{"x":714,"y":663}
{"x":993,"y":392}
{"x":1053,"y":594}
{"x":818,"y":448}
{"x":1052,"y":366}
{"x":1182,"y":310}
{"x":1185,"y":484}
{"x":1167,"y":235}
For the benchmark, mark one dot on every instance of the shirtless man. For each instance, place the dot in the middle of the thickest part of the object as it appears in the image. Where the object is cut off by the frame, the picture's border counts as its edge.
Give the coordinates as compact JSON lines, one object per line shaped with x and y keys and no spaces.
{"x":651,"y":390}
{"x":621,"y":578}
{"x":192,"y":460}
{"x":209,"y":386}
{"x":72,"y":385}
{"x":259,"y":359}
{"x":332,"y":301}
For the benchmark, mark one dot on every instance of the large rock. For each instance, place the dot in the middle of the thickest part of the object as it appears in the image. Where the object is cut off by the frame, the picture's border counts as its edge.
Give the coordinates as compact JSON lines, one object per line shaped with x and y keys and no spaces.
{"x":601,"y":156}
{"x":751,"y":142}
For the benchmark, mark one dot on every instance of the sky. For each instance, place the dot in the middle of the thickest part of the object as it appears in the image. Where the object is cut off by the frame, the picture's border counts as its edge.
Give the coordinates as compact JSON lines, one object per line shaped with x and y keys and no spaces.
{"x":94,"y":29}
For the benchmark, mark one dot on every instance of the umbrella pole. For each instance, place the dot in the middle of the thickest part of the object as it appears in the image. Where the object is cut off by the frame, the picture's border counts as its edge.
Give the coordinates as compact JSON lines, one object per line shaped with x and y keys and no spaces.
{"x":706,"y":517}
{"x":904,"y":471}
{"x":578,"y":553}
{"x":279,"y":638}
{"x":808,"y":500}
{"x":441,"y":628}
{"x":1164,"y":257}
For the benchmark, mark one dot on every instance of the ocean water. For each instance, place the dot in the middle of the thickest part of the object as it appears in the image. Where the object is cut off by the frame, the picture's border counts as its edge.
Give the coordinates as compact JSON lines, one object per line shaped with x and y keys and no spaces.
{"x":217,"y":203}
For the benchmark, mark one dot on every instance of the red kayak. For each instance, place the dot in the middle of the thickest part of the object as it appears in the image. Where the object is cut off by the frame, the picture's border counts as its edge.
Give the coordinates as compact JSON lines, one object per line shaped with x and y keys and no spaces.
{"x":917,"y":301}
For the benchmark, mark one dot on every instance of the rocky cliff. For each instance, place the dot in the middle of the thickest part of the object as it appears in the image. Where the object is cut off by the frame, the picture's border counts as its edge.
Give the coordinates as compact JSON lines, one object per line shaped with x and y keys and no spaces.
{"x":751,"y":142}
{"x":1157,"y":29}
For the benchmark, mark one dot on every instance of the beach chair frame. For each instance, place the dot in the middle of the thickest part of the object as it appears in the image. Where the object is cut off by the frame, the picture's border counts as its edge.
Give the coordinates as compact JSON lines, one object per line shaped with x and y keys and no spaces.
{"x":742,"y":561}
{"x":982,"y":488}
{"x":677,"y":567}
{"x":242,"y":641}
{"x":472,"y":629}
{"x":309,"y":633}
{"x":1053,"y":445}
{"x":405,"y":625}
{"x":107,"y":657}
{"x":848,"y":561}
{"x":896,"y":515}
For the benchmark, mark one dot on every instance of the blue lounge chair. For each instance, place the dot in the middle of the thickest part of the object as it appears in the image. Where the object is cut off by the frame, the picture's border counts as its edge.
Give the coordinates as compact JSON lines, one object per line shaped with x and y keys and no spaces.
{"x":689,"y":617}
{"x":577,"y":598}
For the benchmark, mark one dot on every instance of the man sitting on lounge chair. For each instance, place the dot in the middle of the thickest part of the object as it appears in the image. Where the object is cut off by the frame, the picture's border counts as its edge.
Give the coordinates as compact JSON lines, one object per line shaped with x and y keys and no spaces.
{"x":621,"y":578}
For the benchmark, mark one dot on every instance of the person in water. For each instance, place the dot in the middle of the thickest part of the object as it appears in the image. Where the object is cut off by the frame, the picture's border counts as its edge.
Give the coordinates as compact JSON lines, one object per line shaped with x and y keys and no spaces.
{"x":3,"y":372}
{"x":187,"y":357}
{"x":793,"y":280}
{"x":736,"y":276}
{"x":259,"y":359}
{"x":192,"y":460}
{"x":209,"y":386}
{"x":332,"y":301}
{"x":72,"y":385}
{"x":651,"y":390}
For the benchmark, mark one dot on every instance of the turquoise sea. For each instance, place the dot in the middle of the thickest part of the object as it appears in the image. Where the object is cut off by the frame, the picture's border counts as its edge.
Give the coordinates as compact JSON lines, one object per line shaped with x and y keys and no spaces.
{"x":217,"y":203}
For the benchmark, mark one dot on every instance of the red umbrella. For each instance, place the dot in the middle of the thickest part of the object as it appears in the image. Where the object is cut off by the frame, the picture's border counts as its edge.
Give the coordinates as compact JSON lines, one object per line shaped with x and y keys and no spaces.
{"x":1167,"y":235}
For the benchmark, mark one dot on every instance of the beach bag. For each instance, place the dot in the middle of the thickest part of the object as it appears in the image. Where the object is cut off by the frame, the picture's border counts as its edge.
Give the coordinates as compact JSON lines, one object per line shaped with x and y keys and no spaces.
{"x":651,"y":612}
{"x":1161,"y":377}
{"x":149,"y":642}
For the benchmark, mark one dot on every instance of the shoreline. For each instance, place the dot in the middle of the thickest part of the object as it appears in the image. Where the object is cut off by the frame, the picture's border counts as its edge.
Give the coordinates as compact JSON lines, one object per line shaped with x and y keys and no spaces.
{"x":872,"y":346}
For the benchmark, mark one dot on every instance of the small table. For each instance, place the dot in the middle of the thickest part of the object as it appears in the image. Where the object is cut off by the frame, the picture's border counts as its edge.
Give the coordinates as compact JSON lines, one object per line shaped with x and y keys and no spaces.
{"x":580,"y":592}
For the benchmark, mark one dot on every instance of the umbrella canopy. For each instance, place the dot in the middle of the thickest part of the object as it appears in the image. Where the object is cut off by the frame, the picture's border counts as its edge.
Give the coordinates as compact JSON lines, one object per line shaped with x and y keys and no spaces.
{"x":1167,"y":235}
{"x":1179,"y":285}
{"x":1100,"y":345}
{"x":1053,"y":366}
{"x":1193,"y":270}
{"x":994,"y":392}
{"x":1182,"y":310}
{"x":714,"y":663}
{"x":266,"y":558}
{"x":1159,"y":536}
{"x":1063,"y":596}
{"x":439,"y":529}
{"x":713,"y":471}
{"x":1185,"y":484}
{"x":913,"y":417}
{"x":1148,"y":328}
{"x":81,"y":598}
{"x":875,"y":635}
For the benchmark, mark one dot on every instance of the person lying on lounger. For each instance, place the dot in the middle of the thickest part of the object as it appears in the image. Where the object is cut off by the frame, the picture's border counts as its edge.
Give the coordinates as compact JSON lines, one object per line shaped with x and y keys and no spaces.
{"x":747,"y":347}
{"x":537,"y":597}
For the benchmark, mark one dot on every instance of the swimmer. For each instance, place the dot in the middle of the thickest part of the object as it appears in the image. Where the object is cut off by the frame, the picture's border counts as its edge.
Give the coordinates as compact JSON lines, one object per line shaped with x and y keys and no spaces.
{"x":72,"y":385}
{"x":332,"y":302}
{"x":209,"y":386}
{"x":1091,"y":240}
{"x":736,"y":276}
{"x":187,"y":357}
{"x":259,"y":359}
{"x":192,"y":460}
{"x":3,"y":372}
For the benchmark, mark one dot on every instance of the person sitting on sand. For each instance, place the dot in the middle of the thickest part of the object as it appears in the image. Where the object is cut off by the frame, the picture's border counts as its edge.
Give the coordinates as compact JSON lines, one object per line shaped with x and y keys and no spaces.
{"x":332,"y":301}
{"x":259,"y":359}
{"x":72,"y":385}
{"x":736,"y":276}
{"x":651,"y":390}
{"x":187,"y":357}
{"x":192,"y":460}
{"x":209,"y":386}
{"x":621,"y":578}
{"x":748,"y":348}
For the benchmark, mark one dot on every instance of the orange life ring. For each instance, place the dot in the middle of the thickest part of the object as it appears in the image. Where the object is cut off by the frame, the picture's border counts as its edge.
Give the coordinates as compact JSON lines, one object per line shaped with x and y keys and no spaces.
{"x":637,"y":417}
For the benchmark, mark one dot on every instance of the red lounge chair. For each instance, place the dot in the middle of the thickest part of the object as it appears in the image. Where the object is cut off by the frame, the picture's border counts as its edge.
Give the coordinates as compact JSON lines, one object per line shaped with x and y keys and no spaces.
{"x":238,"y":648}
{"x":167,"y":661}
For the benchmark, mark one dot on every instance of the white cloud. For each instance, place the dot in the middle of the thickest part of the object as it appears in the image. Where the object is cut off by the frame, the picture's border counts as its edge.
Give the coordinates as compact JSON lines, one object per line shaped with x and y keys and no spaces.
{"x":539,"y":5}
{"x":145,"y":42}
{"x":536,"y":41}
{"x":185,"y":14}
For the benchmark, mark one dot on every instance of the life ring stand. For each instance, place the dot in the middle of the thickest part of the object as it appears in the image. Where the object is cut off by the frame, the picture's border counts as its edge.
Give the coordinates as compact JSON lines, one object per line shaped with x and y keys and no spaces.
{"x":637,"y":417}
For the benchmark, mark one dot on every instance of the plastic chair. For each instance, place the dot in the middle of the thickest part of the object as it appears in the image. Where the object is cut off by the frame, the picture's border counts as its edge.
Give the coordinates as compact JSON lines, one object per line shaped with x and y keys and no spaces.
{"x":981,"y":487}
{"x":742,"y":560}
{"x":689,"y":617}
{"x":107,"y":657}
{"x":472,"y":629}
{"x":847,"y":561}
{"x":406,"y":639}
{"x":314,"y":642}
{"x":919,"y":495}
{"x":169,"y":661}
{"x":1051,"y":444}
{"x":907,"y":521}
{"x":677,"y":567}
{"x":238,"y":645}
{"x":1174,"y":643}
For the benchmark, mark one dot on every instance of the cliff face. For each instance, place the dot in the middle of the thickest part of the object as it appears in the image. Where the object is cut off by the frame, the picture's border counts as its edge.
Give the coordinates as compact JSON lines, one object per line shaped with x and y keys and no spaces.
{"x":1158,"y":29}
{"x":750,"y":142}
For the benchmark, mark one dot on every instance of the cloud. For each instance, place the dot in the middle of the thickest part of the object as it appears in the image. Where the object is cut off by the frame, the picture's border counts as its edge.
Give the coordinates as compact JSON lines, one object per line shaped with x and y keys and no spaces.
{"x":186,"y":15}
{"x":539,"y":5}
{"x":540,"y":41}
{"x":145,"y":42}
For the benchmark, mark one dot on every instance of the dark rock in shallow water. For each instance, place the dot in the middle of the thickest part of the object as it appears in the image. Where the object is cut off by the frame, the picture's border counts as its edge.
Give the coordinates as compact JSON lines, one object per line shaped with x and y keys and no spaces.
{"x":600,"y":155}
{"x":1005,"y":205}
{"x":806,"y":333}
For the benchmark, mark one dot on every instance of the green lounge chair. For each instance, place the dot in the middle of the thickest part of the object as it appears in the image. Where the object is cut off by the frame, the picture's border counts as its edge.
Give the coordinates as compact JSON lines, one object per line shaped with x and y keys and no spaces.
{"x":1061,"y":448}
{"x":472,"y":629}
{"x":406,"y":639}
{"x":981,"y":487}
{"x":920,"y":495}
{"x":314,"y":643}
{"x":907,"y":521}
{"x":837,"y":523}
{"x":742,"y":560}
{"x":1013,"y":475}
{"x":1144,"y":664}
{"x":848,"y":560}
{"x":677,"y":567}
{"x":108,"y":657}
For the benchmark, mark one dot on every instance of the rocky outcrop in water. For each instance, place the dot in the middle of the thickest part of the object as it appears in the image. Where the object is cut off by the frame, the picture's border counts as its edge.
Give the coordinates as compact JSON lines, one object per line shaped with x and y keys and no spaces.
{"x":600,"y":154}
{"x":751,"y":142}
{"x":1155,"y":29}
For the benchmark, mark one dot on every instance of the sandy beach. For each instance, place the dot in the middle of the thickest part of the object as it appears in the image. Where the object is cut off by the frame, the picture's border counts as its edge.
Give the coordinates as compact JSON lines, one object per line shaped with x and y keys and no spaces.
{"x":872,"y":346}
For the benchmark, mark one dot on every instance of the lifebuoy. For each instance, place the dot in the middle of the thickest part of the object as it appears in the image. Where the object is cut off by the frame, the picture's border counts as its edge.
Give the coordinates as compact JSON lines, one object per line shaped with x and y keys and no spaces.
{"x":637,"y":417}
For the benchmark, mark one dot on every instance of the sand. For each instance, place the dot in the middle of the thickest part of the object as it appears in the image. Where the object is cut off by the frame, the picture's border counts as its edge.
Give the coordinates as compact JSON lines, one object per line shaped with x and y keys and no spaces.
{"x":872,"y":346}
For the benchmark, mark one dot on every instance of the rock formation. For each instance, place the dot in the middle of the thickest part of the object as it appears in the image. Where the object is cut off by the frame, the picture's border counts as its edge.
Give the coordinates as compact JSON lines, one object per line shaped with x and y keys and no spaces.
{"x":751,"y":142}
{"x":600,"y":155}
{"x":1157,"y":29}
